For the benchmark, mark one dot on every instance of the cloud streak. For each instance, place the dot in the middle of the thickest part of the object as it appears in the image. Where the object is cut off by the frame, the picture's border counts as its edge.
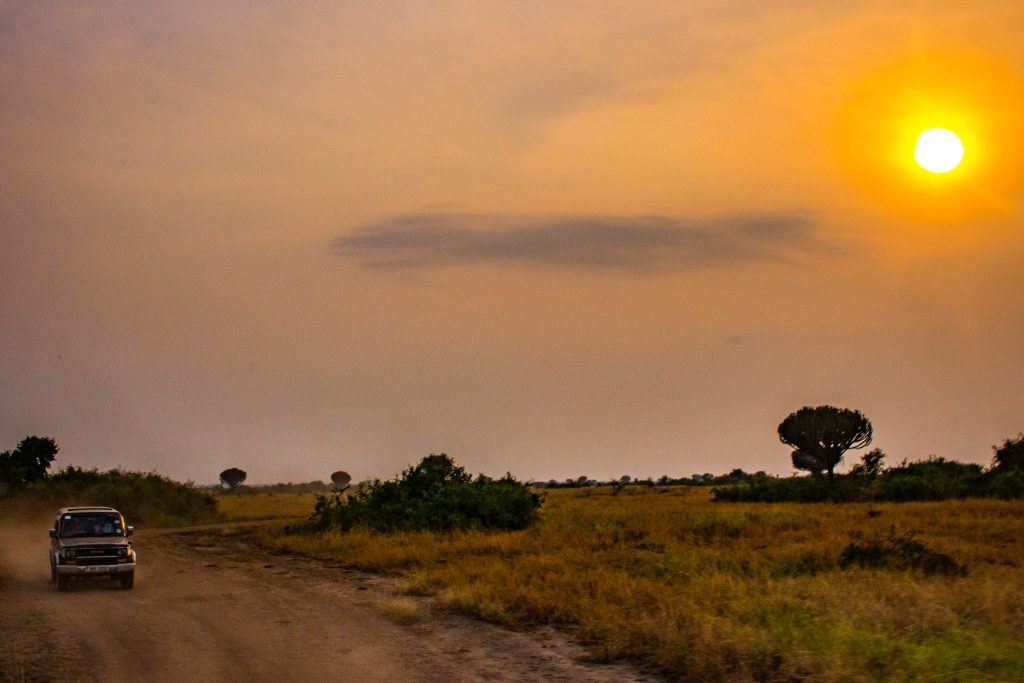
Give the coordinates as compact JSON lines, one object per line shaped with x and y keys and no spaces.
{"x":645,"y":244}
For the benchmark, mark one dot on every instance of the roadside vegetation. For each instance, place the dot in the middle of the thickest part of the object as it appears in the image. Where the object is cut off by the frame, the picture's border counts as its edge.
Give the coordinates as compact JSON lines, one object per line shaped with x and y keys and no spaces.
{"x":28,"y":489}
{"x":707,"y":591}
{"x":436,"y":494}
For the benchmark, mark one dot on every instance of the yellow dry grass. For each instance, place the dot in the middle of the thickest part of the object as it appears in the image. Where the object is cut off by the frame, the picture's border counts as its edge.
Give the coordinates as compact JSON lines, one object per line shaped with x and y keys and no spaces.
{"x":730,"y":591}
{"x":403,"y":610}
{"x":260,"y":506}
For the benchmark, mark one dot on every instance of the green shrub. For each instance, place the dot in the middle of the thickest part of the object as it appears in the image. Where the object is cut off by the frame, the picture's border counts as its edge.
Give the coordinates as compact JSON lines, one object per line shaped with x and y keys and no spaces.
{"x":436,"y":494}
{"x":812,"y":489}
{"x":931,"y":479}
{"x":1006,"y":484}
{"x":144,"y":498}
{"x":899,"y":552}
{"x":925,"y":480}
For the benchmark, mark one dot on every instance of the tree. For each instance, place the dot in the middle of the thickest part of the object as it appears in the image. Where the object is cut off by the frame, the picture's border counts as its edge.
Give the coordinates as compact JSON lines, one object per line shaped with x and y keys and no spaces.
{"x":341,"y":480}
{"x":29,"y":461}
{"x":621,"y":483}
{"x":822,"y":435}
{"x":870,"y":465}
{"x":1009,"y":456}
{"x":232,"y":477}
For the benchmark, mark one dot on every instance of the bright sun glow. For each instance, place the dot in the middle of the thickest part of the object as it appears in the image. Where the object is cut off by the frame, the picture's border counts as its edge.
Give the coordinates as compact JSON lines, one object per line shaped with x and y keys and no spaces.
{"x":938,"y":150}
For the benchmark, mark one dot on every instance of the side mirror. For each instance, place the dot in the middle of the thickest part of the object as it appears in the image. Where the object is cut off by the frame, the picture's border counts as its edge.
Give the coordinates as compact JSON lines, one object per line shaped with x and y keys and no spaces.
{"x":129,"y":531}
{"x":53,"y":533}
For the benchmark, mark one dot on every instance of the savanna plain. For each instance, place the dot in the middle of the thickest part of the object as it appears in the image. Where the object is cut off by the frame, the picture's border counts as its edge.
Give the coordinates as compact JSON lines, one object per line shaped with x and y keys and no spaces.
{"x":712,"y":591}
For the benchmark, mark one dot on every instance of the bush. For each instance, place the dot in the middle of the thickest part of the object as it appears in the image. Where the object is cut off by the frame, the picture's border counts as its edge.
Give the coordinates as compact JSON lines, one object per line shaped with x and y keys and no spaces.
{"x":895,"y":552}
{"x":435,"y":495}
{"x":925,"y":480}
{"x":932,"y":479}
{"x":1006,"y":484}
{"x":792,"y":490}
{"x":144,"y":498}
{"x":899,"y":552}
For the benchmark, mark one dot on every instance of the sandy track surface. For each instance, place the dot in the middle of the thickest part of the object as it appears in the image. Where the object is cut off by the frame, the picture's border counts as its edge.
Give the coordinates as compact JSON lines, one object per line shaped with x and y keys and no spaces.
{"x":209,"y":607}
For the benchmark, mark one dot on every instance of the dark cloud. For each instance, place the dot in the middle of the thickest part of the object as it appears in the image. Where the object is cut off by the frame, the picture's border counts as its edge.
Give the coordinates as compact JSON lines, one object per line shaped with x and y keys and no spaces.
{"x":629,"y":243}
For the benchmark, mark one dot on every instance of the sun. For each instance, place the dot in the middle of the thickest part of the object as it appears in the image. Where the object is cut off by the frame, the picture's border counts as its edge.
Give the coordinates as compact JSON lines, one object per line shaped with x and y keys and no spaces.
{"x":938,"y":150}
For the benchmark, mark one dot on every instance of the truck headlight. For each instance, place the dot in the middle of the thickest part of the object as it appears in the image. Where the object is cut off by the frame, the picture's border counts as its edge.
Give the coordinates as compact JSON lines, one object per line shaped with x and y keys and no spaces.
{"x":69,"y":553}
{"x":122,"y":552}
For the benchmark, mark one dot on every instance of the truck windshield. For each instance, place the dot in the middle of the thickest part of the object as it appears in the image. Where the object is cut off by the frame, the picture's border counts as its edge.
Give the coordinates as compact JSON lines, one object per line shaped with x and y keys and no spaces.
{"x":101,"y":524}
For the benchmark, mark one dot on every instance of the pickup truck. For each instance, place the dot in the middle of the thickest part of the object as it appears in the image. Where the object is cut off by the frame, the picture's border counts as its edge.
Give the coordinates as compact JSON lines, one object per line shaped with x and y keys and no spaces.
{"x":88,"y":542}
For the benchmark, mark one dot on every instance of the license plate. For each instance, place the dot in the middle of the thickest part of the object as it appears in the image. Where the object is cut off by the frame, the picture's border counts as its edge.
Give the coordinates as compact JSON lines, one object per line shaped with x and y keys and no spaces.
{"x":95,"y":569}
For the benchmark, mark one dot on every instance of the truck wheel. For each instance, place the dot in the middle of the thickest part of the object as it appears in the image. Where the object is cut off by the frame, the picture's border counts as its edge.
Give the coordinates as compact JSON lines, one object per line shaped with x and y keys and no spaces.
{"x":127,"y":580}
{"x":53,"y":573}
{"x":63,"y":582}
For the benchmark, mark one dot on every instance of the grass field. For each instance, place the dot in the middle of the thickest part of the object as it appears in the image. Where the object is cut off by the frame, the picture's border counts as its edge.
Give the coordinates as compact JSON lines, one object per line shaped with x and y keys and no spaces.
{"x":259,"y":506}
{"x":727,"y":591}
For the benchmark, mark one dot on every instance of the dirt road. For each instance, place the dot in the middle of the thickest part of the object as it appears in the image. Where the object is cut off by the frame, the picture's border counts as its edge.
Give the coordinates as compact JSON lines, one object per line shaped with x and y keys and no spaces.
{"x":208,"y":607}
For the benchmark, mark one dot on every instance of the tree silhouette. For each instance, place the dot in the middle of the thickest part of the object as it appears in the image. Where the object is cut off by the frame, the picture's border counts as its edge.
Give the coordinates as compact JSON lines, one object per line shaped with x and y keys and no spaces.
{"x":1009,"y":456}
{"x":870,"y":465}
{"x":29,"y":461}
{"x":620,"y":483}
{"x":822,"y":435}
{"x":232,"y":477}
{"x":341,"y":480}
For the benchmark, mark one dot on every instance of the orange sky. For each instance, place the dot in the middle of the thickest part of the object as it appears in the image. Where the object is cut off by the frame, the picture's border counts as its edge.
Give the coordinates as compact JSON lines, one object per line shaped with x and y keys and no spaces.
{"x":551,"y":238}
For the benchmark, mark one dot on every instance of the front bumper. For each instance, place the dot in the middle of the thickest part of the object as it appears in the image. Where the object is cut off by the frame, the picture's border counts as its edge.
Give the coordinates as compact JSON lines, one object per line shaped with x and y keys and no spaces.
{"x":95,"y":569}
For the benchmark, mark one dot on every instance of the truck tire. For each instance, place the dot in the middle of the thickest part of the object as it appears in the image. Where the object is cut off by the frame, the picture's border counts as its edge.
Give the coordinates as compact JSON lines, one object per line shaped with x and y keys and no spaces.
{"x":63,"y":582}
{"x":127,"y":580}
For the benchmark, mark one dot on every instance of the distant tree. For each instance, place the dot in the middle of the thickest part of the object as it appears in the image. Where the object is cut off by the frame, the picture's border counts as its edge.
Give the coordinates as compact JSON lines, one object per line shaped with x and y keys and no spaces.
{"x":232,"y":477}
{"x":620,"y":483}
{"x":737,"y":475}
{"x":29,"y":461}
{"x":341,"y":480}
{"x":822,"y":435}
{"x":582,"y":480}
{"x":870,"y":465}
{"x":1009,"y":456}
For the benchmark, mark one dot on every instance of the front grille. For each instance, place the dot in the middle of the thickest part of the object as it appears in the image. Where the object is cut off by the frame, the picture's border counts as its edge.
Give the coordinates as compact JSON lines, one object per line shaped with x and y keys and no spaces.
{"x":86,"y":556}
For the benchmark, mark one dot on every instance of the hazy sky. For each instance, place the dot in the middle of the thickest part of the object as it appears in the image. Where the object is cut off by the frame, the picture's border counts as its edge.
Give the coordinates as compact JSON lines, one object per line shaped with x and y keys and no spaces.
{"x":555,"y":238}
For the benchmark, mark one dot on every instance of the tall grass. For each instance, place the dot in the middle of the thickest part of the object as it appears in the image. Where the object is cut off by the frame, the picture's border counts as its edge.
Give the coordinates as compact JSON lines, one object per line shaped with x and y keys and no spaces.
{"x":261,"y":506}
{"x":724,"y":592}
